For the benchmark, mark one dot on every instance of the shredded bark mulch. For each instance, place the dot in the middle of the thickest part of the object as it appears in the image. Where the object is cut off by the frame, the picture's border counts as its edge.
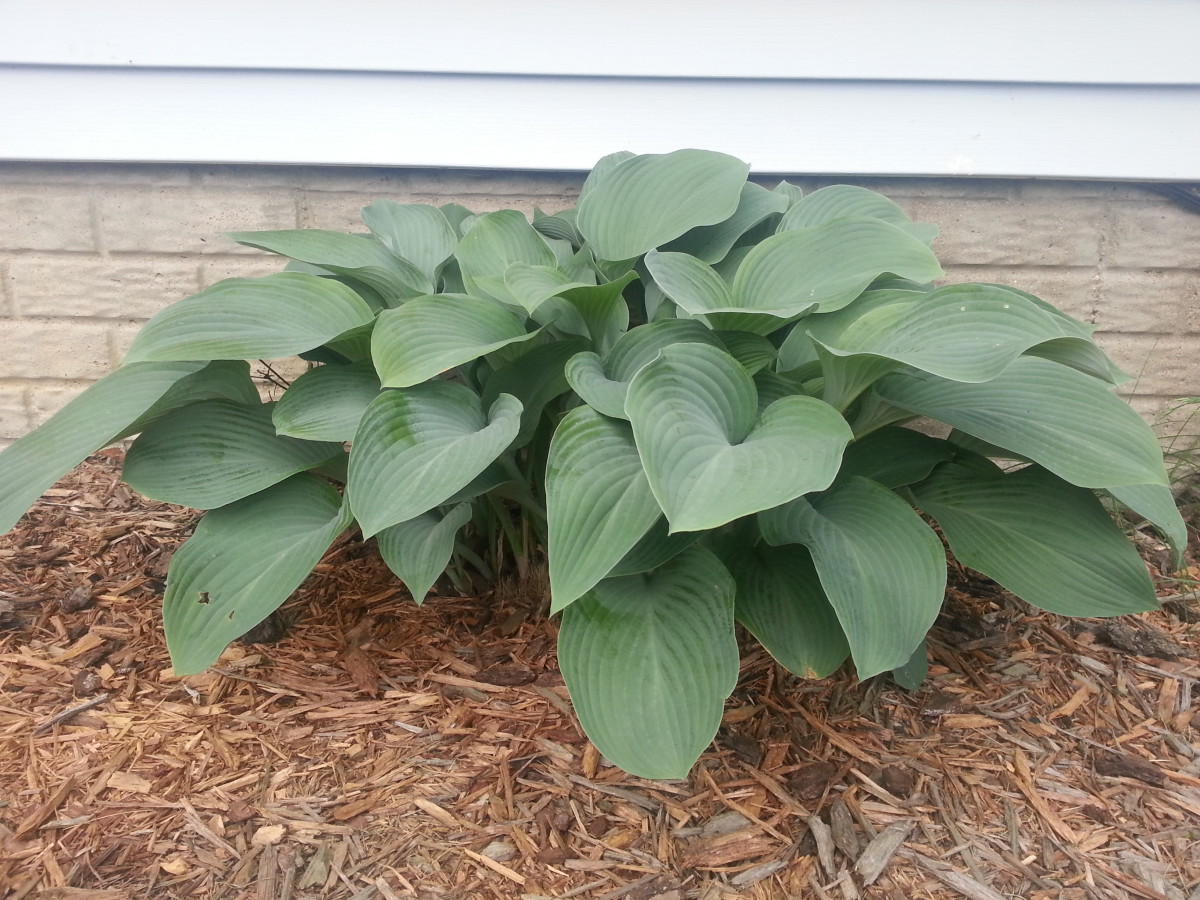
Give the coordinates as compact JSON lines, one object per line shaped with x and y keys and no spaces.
{"x":374,"y":749}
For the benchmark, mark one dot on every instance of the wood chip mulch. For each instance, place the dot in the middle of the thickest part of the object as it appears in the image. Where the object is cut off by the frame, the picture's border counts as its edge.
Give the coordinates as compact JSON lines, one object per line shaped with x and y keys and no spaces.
{"x":381,"y":751}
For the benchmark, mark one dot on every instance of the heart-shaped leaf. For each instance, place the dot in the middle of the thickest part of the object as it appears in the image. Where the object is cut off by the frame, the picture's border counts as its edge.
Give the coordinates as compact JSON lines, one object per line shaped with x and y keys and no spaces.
{"x":840,"y":200}
{"x":242,"y":563}
{"x":1067,"y":421}
{"x":709,"y":457}
{"x":827,"y":266}
{"x":598,"y":503}
{"x":250,"y":318}
{"x":429,"y":335}
{"x":648,"y":200}
{"x":415,"y":232}
{"x":649,"y":661}
{"x":493,"y":243}
{"x":882,"y":568}
{"x":416,"y":447}
{"x":419,"y":550}
{"x":1049,"y":542}
{"x":212,"y":453}
{"x":348,"y":255}
{"x":780,"y":601}
{"x":535,"y":378}
{"x":326,"y":403}
{"x":92,"y":420}
{"x":711,"y":243}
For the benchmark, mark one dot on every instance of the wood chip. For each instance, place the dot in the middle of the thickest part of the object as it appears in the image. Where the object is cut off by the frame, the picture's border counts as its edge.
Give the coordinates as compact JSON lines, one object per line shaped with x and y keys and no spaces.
{"x":879,"y":852}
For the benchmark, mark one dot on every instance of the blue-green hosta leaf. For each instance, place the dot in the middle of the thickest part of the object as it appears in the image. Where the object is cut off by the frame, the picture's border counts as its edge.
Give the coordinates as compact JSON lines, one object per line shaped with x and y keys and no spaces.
{"x":602,"y":310}
{"x":913,"y":673}
{"x":791,"y":192}
{"x":1049,"y":542}
{"x":531,"y":286}
{"x":710,"y":243}
{"x":243,"y":562}
{"x":598,"y":503}
{"x":585,"y":373}
{"x":212,"y":453}
{"x":326,"y":403}
{"x":895,"y":456}
{"x":535,"y":378}
{"x":415,"y":232}
{"x":456,"y":214}
{"x":1068,"y":422}
{"x":753,"y":351}
{"x":646,"y":201}
{"x":1156,"y":504}
{"x":656,"y":547}
{"x":882,"y":568}
{"x":845,"y":378}
{"x":429,"y":335}
{"x":840,"y":200}
{"x":709,"y":457}
{"x":649,"y":661}
{"x":1081,"y":354}
{"x":494,"y":242}
{"x":827,"y":266}
{"x":603,"y":384}
{"x":560,"y":226}
{"x":221,"y":379}
{"x":964,"y":332}
{"x":603,"y":168}
{"x":419,"y":550}
{"x":94,"y":419}
{"x":416,"y":447}
{"x":780,"y":601}
{"x":247,"y":318}
{"x":349,"y":255}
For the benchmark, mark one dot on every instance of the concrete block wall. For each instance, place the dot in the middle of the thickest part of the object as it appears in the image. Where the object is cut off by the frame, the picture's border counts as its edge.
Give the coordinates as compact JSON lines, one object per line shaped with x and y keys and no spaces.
{"x":88,"y":252}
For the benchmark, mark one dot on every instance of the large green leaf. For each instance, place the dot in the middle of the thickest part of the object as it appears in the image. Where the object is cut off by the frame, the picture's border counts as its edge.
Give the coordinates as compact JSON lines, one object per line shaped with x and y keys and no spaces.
{"x":535,"y":378}
{"x":243,"y":562}
{"x":882,"y":568}
{"x":840,"y":200}
{"x":419,"y":550}
{"x":656,"y":547}
{"x":827,"y":266}
{"x":494,"y":242}
{"x":1069,"y":422}
{"x":964,"y":332}
{"x":649,"y":661}
{"x":221,"y":379}
{"x":598,"y":502}
{"x":1049,"y":542}
{"x":780,"y":601}
{"x":1156,"y":504}
{"x":895,"y":456}
{"x":92,"y":420}
{"x":247,"y":318}
{"x":416,"y":447}
{"x":646,"y":201}
{"x":603,"y":384}
{"x":326,"y":403}
{"x":212,"y":453}
{"x":360,"y":258}
{"x":711,"y":243}
{"x":417,"y":233}
{"x":430,"y":335}
{"x":709,"y":457}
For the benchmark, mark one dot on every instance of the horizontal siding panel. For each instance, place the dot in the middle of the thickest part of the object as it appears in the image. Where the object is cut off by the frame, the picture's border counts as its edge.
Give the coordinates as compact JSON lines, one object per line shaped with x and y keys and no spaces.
{"x":565,"y":124}
{"x":1064,"y":41}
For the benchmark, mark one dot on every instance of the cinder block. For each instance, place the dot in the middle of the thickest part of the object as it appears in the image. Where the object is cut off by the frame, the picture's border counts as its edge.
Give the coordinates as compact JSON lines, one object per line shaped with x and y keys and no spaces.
{"x":1161,"y":364}
{"x":218,"y":268}
{"x":1073,"y":290}
{"x":1015,"y":232}
{"x":181,"y":220}
{"x":53,"y":218}
{"x":94,"y":173}
{"x":370,"y":179}
{"x":901,"y":190}
{"x":469,"y":182}
{"x":1064,"y":191}
{"x":132,"y":287}
{"x":1149,"y":300}
{"x":55,"y":348}
{"x":1156,"y":232}
{"x":120,"y":336}
{"x":14,"y":421}
{"x":47,"y":399}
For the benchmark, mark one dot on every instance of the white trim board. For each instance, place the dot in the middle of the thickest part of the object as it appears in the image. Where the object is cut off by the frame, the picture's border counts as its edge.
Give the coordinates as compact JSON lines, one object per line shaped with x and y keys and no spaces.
{"x":502,"y":122}
{"x":1061,"y":41}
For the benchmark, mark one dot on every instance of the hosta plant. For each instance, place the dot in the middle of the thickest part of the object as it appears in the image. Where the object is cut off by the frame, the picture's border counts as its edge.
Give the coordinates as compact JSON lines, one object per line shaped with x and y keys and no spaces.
{"x":693,"y":390}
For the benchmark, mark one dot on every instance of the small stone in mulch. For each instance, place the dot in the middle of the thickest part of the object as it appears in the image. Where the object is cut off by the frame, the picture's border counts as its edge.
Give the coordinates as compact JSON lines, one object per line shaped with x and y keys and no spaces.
{"x":1144,"y":641}
{"x":1124,"y":765}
